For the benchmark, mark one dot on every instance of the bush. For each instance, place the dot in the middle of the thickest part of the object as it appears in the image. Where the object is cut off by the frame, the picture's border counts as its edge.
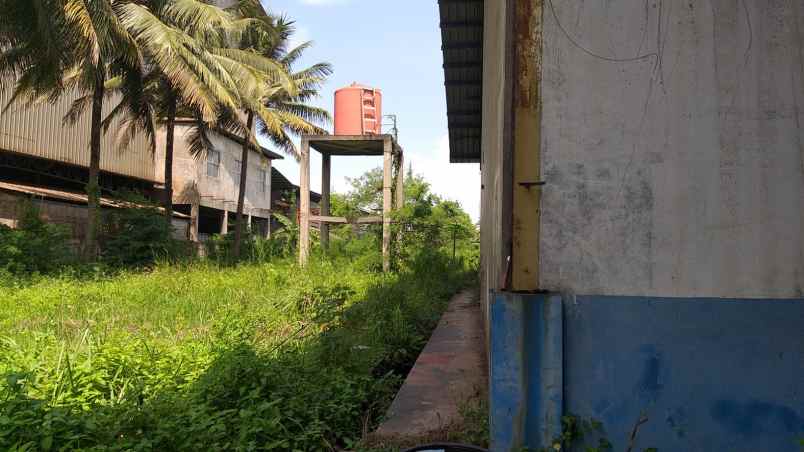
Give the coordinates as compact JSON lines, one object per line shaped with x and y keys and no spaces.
{"x":138,"y":235}
{"x":35,"y":246}
{"x":254,"y":357}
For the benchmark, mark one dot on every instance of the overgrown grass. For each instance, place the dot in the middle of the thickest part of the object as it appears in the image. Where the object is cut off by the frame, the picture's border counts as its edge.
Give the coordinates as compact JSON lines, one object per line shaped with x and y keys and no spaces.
{"x":253,"y":357}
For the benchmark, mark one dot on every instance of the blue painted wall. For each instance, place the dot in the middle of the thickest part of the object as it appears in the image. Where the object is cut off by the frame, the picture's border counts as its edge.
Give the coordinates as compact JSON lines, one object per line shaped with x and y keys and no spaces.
{"x":708,"y":374}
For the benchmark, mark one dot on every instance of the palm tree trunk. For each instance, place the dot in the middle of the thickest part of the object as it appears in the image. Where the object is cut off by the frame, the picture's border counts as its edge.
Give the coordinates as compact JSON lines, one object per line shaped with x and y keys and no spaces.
{"x":170,"y":126}
{"x":93,"y":186}
{"x":241,"y":197}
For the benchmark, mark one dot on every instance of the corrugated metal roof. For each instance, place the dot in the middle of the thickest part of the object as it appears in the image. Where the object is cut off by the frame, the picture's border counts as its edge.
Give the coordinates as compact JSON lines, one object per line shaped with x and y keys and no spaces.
{"x":281,"y":183}
{"x":39,"y":130}
{"x":462,"y":46}
{"x":73,"y":197}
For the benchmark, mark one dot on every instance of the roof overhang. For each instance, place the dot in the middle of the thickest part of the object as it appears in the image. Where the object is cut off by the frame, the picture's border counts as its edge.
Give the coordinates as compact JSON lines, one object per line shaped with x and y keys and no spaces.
{"x":462,"y":46}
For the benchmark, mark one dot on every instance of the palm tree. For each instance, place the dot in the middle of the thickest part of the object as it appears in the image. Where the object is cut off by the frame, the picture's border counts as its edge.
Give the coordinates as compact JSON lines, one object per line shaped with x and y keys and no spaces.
{"x":282,"y":112}
{"x":178,"y":39}
{"x":52,"y":46}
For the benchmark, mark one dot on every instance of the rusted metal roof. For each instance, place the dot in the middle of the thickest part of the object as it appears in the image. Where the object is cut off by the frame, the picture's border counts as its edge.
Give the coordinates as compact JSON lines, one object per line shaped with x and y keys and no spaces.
{"x":462,"y":46}
{"x":39,"y":130}
{"x":72,"y":197}
{"x":280,"y":183}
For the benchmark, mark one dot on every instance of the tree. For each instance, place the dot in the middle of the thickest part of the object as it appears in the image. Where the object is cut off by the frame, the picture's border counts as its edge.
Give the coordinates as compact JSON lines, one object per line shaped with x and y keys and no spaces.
{"x":181,"y":42}
{"x":282,"y":111}
{"x":55,"y":46}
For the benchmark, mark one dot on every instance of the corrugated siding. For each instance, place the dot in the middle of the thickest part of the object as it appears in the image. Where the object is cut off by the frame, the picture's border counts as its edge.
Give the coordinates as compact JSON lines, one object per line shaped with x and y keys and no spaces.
{"x":462,"y":45}
{"x":38,"y":131}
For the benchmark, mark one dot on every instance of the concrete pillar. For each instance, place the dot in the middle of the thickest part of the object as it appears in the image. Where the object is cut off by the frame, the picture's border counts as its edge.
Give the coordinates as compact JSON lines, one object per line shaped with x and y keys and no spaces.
{"x":225,"y":222}
{"x":326,"y":185}
{"x":248,"y":221}
{"x":400,"y":181}
{"x":195,"y":211}
{"x":304,"y":203}
{"x":267,"y":232}
{"x":387,"y":177}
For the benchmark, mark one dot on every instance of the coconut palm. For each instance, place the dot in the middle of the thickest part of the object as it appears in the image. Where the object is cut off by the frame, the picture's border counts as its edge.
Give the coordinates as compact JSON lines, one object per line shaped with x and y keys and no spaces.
{"x":54,"y":46}
{"x":198,"y":84}
{"x":281,"y":112}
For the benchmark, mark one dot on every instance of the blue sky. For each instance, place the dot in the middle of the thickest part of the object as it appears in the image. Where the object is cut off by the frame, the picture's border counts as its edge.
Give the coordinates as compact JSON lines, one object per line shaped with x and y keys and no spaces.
{"x":395,"y":46}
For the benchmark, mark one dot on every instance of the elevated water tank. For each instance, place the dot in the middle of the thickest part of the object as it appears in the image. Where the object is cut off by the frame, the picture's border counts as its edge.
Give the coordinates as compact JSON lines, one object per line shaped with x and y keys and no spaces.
{"x":358,"y":110}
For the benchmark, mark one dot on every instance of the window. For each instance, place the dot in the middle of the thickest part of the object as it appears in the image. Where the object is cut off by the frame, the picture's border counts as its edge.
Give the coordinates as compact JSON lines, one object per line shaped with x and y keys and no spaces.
{"x":263,"y":181}
{"x":213,"y":162}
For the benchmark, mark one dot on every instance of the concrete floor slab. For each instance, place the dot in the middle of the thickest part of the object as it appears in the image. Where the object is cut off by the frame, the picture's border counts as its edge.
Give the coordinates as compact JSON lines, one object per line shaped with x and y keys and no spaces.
{"x":450,"y":371}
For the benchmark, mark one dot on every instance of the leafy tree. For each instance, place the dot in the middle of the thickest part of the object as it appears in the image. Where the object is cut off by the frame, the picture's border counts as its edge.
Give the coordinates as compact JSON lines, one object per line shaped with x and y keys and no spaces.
{"x":426,"y":223}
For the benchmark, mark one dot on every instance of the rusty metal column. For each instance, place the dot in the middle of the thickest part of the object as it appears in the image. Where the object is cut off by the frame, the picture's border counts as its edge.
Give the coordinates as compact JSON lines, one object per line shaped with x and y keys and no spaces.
{"x":527,"y":146}
{"x":387,"y":180}
{"x":326,"y":168}
{"x":304,"y":203}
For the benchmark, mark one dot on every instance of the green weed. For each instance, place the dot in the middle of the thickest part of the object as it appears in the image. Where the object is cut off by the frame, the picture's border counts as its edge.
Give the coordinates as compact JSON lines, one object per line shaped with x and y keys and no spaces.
{"x":199,"y":356}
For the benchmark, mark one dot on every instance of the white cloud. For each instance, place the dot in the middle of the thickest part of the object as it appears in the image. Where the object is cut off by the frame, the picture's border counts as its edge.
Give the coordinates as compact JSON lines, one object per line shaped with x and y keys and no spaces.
{"x":455,"y":181}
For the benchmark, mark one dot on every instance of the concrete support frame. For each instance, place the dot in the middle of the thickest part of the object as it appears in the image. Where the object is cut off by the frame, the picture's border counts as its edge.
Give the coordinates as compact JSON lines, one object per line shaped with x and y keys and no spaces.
{"x":225,"y":222}
{"x":386,"y":204}
{"x":400,"y":181}
{"x":195,"y":211}
{"x":351,"y":145}
{"x":326,"y":187}
{"x":304,"y":203}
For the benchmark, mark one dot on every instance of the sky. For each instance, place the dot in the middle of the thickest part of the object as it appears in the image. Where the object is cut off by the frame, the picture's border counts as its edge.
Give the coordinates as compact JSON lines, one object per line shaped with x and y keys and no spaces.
{"x":395,"y":46}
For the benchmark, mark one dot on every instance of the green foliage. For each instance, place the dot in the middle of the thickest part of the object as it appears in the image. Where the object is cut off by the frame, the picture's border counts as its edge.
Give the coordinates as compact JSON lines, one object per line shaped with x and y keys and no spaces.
{"x":428,"y":223}
{"x":252,"y":357}
{"x":588,"y":435}
{"x":255,"y":248}
{"x":35,"y":246}
{"x":138,"y":235}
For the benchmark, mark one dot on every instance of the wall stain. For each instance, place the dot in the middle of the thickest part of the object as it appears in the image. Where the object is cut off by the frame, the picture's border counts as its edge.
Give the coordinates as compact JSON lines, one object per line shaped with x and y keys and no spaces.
{"x":650,"y":385}
{"x":754,"y":418}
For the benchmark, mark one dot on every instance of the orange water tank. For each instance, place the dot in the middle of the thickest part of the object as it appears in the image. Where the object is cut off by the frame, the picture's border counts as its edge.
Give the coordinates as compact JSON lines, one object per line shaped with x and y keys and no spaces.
{"x":358,"y":110}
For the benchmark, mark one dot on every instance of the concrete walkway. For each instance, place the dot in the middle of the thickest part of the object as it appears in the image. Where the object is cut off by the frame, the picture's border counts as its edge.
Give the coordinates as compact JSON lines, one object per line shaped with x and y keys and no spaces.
{"x":450,"y":371}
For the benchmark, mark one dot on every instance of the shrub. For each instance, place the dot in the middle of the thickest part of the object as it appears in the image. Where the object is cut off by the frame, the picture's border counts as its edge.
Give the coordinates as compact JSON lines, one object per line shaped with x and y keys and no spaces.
{"x":138,"y":235}
{"x":253,"y":357}
{"x":35,"y":246}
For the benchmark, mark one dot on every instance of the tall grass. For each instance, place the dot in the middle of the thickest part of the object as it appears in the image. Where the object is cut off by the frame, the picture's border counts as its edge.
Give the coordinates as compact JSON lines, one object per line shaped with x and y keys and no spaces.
{"x":251,"y":357}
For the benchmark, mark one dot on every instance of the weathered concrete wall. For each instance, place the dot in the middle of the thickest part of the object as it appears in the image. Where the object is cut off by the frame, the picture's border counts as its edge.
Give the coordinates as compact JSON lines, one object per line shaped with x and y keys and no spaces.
{"x":494,"y":177}
{"x":190,"y":178}
{"x":673,"y":148}
{"x":71,"y":216}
